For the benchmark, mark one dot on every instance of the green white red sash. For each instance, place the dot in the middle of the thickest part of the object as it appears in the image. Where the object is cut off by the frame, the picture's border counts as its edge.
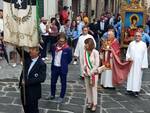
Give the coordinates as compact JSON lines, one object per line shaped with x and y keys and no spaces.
{"x":89,"y":65}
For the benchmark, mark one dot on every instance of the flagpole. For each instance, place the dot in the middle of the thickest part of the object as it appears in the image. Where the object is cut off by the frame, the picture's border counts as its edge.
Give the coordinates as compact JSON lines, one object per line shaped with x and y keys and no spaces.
{"x":23,"y":72}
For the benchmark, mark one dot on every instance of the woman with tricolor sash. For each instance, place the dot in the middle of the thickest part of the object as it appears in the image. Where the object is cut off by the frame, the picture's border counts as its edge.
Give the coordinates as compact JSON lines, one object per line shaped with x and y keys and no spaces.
{"x":91,"y":64}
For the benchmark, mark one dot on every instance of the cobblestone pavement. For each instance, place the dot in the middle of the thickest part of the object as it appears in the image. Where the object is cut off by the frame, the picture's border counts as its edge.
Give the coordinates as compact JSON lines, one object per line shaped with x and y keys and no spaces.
{"x":109,"y":101}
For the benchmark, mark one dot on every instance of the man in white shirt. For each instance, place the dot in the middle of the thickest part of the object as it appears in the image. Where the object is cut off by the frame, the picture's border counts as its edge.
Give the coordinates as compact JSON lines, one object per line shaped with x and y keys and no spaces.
{"x":61,"y":58}
{"x":45,"y":38}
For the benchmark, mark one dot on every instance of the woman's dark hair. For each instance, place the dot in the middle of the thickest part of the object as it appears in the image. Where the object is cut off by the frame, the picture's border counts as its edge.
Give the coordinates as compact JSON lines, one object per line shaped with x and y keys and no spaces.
{"x":72,"y":24}
{"x":52,"y":19}
{"x":90,"y":42}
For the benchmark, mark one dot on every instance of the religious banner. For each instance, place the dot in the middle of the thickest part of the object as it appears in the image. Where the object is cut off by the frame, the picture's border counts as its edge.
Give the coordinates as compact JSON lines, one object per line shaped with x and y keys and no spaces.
{"x":133,"y":14}
{"x":21,"y":22}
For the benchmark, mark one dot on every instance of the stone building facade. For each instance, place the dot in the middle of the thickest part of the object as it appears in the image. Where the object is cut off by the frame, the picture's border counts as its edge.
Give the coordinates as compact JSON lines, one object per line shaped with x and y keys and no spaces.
{"x":94,"y":8}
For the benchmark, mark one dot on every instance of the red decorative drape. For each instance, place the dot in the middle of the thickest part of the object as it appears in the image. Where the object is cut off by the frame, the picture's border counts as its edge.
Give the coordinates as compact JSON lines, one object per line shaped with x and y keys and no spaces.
{"x":120,"y":70}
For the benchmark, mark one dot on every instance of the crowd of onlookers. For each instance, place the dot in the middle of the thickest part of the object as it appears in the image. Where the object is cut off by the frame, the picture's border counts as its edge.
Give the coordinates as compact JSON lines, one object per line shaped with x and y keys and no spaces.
{"x":98,"y":28}
{"x":73,"y":28}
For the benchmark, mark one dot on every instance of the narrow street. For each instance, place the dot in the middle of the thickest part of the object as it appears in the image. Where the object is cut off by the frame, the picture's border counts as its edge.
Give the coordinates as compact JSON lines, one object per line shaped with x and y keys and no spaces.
{"x":109,"y":101}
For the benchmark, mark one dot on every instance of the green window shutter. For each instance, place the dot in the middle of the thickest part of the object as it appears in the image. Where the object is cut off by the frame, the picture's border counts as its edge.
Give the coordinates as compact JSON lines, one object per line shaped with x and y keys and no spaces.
{"x":41,"y":8}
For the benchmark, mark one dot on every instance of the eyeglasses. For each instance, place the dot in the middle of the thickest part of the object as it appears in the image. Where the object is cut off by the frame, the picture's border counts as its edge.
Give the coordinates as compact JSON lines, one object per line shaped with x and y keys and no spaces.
{"x":138,"y":36}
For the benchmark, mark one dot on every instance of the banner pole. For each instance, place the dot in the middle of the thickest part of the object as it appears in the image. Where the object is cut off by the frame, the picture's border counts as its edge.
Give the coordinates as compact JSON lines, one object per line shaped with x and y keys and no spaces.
{"x":23,"y":72}
{"x":37,"y":17}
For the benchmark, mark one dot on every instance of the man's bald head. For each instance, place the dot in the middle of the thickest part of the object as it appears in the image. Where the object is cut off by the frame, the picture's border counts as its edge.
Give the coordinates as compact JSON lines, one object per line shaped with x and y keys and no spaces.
{"x":111,"y":34}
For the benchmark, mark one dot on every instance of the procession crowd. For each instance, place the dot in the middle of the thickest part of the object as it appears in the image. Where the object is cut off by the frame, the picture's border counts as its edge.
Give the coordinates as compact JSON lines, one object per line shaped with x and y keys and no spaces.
{"x":95,"y":45}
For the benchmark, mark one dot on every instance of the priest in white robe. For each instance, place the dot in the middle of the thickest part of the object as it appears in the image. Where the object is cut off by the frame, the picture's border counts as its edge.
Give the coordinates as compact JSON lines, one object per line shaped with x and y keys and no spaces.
{"x":79,"y":50}
{"x":136,"y":52}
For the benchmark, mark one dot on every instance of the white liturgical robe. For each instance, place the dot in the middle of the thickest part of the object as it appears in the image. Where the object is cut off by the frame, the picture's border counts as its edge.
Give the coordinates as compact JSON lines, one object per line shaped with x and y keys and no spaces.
{"x":79,"y":51}
{"x":137,"y":51}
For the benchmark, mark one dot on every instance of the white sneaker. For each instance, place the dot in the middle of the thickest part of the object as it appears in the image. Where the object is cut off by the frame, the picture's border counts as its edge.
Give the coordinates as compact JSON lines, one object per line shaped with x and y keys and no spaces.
{"x":75,"y":62}
{"x":14,"y":65}
{"x":0,"y":67}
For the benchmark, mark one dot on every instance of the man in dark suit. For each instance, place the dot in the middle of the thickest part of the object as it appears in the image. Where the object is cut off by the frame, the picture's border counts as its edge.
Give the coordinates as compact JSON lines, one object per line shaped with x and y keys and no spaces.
{"x":33,"y":74}
{"x":61,"y":57}
{"x":94,"y":31}
{"x":102,"y":26}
